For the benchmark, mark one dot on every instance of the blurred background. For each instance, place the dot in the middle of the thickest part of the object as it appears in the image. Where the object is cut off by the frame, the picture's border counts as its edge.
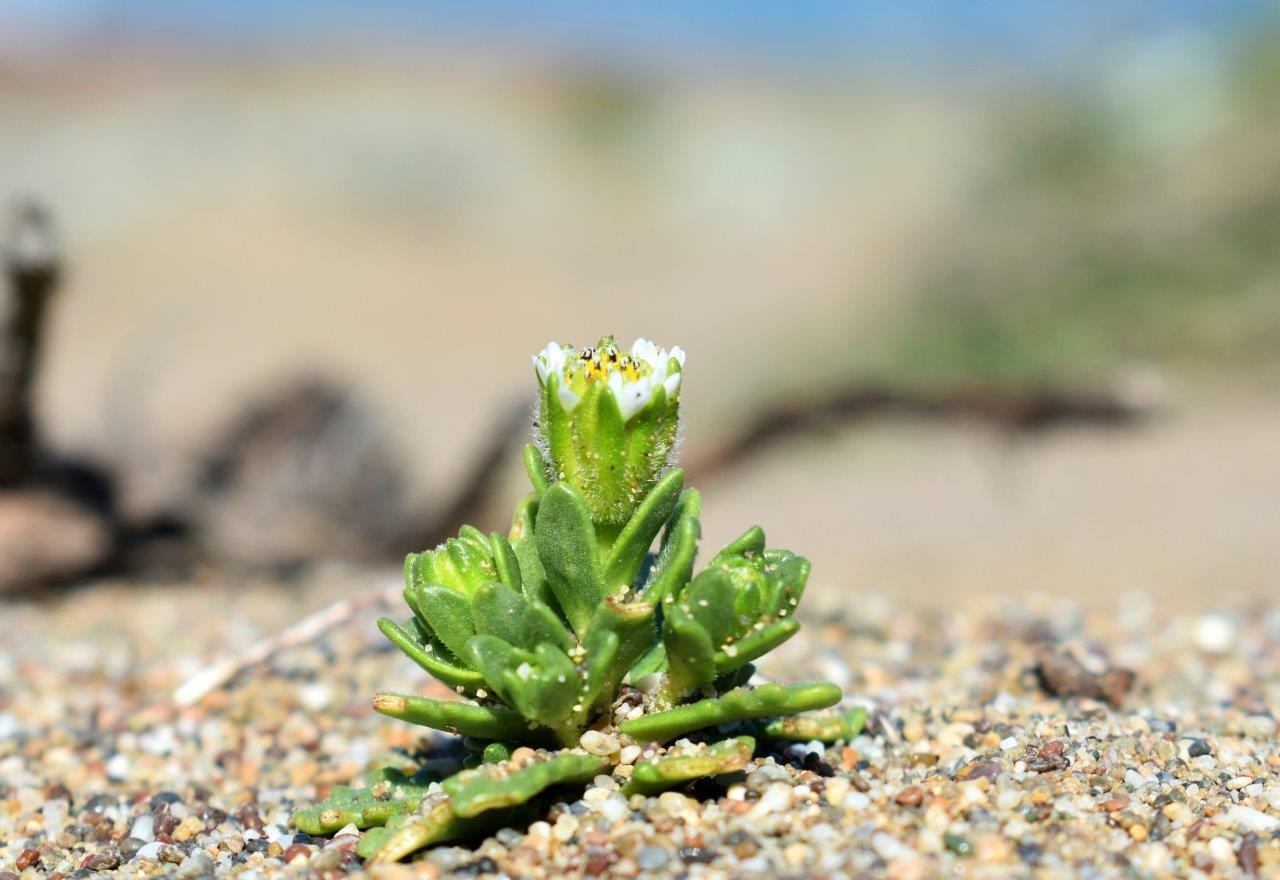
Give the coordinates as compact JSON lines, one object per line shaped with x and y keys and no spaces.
{"x":982,"y":298}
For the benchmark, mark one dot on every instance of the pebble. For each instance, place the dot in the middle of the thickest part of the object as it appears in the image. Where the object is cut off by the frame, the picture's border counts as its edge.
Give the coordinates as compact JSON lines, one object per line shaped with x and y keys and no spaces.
{"x":596,"y":743}
{"x":651,"y":858}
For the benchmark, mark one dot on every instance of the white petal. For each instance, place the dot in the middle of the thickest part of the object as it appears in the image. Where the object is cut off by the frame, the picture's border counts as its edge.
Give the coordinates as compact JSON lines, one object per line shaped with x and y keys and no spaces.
{"x":635,"y":396}
{"x":678,"y":353}
{"x":568,"y":399}
{"x":541,"y":366}
{"x":615,"y":383}
{"x":671,"y":383}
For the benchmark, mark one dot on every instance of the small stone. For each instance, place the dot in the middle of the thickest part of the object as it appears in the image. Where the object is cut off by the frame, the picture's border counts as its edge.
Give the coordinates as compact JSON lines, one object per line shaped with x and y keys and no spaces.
{"x":1198,"y":748}
{"x":1260,"y":727}
{"x":189,"y":828}
{"x":298,"y":851}
{"x":651,"y":858}
{"x":957,"y":844}
{"x":596,"y":743}
{"x":148,"y":851}
{"x":1252,"y":820}
{"x":130,"y":846}
{"x":28,"y":859}
{"x":911,"y":796}
{"x":1215,"y":633}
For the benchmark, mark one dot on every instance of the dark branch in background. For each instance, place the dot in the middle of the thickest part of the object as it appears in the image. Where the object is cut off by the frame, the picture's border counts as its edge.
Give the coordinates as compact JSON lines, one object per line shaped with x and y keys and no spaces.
{"x":33,"y":267}
{"x":1014,"y":412}
{"x":476,"y":490}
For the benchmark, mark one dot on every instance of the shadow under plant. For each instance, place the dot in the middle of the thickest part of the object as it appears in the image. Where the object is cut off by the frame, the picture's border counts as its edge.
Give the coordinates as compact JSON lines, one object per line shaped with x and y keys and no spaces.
{"x":578,"y":651}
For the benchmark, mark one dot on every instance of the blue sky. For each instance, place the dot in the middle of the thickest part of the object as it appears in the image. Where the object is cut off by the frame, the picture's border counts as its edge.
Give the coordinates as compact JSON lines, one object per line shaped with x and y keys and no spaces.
{"x":786,"y":29}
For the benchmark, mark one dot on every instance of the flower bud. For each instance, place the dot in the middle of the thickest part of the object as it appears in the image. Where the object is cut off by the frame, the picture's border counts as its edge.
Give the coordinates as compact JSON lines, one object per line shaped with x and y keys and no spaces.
{"x":607,"y":421}
{"x":462,"y":564}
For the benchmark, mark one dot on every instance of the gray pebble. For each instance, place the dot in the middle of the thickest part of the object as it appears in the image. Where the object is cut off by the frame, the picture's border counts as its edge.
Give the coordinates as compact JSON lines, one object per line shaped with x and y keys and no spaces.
{"x":651,"y":858}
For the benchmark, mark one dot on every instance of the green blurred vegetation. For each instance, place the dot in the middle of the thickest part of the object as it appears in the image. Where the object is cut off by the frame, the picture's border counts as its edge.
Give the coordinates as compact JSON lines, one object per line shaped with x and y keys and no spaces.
{"x":1116,"y":227}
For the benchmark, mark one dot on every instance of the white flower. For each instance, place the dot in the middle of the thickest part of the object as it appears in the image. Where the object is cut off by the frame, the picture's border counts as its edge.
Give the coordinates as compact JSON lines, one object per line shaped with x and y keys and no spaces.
{"x":633,"y":377}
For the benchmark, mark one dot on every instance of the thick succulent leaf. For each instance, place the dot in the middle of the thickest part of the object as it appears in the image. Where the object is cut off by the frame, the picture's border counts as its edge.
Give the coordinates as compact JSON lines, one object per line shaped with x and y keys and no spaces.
{"x":498,"y":610}
{"x":436,"y":824}
{"x":628,"y":552}
{"x":493,"y":786}
{"x":567,"y":547}
{"x":446,"y":613}
{"x":505,"y":562}
{"x":738,"y":705}
{"x":827,"y":727}
{"x":690,"y":654}
{"x":497,"y":660}
{"x":632,"y":622}
{"x":425,"y":655}
{"x":603,"y":672}
{"x":749,"y":543}
{"x":541,"y":624}
{"x":533,"y":579}
{"x":389,"y":793}
{"x":674,"y":564}
{"x":651,"y":661}
{"x":466,"y":719}
{"x":756,"y":643}
{"x":787,"y":575}
{"x":536,"y":468}
{"x":711,"y":600}
{"x":547,"y":689}
{"x":696,"y":762}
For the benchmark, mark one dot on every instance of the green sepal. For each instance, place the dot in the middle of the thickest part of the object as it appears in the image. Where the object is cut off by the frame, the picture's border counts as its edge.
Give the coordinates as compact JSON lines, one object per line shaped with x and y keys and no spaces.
{"x":827,"y":727}
{"x":698,"y":762}
{"x":737,"y":705}
{"x":755,"y":644}
{"x":536,"y":468}
{"x":567,"y":547}
{"x":415,"y":650}
{"x":674,"y":565}
{"x":493,"y":786}
{"x":629,"y":549}
{"x":446,"y":613}
{"x":466,"y":719}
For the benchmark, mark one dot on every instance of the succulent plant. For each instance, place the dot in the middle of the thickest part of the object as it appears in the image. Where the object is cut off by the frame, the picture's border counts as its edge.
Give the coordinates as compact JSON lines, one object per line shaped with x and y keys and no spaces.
{"x":587,"y":616}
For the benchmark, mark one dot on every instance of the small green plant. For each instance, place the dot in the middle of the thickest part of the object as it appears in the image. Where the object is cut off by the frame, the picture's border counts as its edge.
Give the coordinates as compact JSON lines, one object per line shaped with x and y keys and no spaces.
{"x":586,"y":627}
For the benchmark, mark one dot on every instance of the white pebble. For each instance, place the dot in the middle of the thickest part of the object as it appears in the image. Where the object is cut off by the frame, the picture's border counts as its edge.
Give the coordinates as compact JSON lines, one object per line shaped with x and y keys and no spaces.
{"x":1215,"y":633}
{"x":143,"y":828}
{"x":1251,"y":819}
{"x":597,"y":743}
{"x":150,"y":851}
{"x":629,"y":754}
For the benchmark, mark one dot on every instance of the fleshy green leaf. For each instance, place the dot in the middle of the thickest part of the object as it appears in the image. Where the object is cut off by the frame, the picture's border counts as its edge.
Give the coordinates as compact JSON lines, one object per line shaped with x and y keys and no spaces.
{"x":633,"y":542}
{"x":466,"y":719}
{"x":389,"y":793}
{"x":567,"y":547}
{"x":750,"y":542}
{"x":492,"y":786}
{"x":498,"y":610}
{"x":827,"y":727}
{"x":428,"y":659}
{"x":541,"y":624}
{"x":536,"y":468}
{"x":738,"y":705}
{"x":674,"y":565}
{"x":505,"y":562}
{"x":533,"y":578}
{"x":447,"y":613}
{"x":690,"y":654}
{"x":697,"y":762}
{"x":756,"y":643}
{"x":711,"y":601}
